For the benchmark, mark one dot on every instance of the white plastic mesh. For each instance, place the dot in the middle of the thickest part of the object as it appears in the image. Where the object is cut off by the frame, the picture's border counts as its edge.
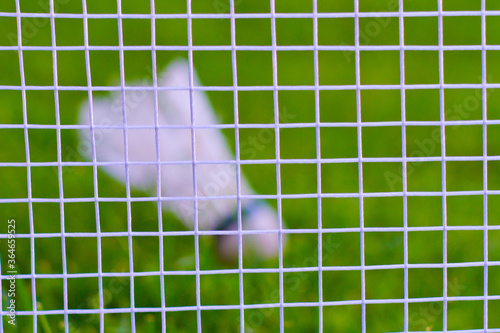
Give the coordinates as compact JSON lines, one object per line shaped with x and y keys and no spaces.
{"x":395,"y":11}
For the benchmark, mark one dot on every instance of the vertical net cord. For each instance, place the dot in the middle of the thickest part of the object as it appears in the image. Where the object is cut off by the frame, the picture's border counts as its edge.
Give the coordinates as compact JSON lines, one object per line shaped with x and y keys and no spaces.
{"x":127,"y":166}
{"x":154,"y":72}
{"x":28,"y":162}
{"x":318,"y":164}
{"x":238,"y":165}
{"x":193,"y":157}
{"x":404,"y":161}
{"x":360,"y":163}
{"x":484,"y":92}
{"x":1,"y":299}
{"x":443,"y":163}
{"x":94,"y":164}
{"x":278,"y":160}
{"x":59,"y":161}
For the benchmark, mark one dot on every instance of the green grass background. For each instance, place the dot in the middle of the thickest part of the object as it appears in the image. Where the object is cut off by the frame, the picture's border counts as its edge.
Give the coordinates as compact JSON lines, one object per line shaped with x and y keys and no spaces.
{"x":255,"y":68}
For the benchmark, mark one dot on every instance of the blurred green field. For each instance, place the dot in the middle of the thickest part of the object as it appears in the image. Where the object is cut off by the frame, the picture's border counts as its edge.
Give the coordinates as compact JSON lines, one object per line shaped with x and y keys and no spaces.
{"x":255,"y":68}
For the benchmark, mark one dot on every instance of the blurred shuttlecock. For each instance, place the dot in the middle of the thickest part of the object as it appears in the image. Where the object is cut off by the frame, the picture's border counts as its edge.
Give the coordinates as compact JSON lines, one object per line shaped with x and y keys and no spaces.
{"x":175,"y":146}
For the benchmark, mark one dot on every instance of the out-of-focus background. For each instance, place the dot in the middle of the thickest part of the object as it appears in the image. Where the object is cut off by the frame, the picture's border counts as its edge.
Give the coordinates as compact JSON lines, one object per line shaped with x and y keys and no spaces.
{"x":338,"y":139}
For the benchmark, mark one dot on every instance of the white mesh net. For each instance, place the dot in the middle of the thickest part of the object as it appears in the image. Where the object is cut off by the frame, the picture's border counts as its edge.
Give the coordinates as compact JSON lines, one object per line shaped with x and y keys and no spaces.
{"x":371,"y":127}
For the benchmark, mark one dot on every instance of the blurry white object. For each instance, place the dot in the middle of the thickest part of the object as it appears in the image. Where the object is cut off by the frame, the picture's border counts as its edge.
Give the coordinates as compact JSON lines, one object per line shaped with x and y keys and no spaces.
{"x":175,"y":145}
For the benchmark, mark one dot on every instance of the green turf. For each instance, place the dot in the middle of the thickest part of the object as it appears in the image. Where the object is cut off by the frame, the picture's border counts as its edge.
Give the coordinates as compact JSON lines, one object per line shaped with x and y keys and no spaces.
{"x":256,"y":68}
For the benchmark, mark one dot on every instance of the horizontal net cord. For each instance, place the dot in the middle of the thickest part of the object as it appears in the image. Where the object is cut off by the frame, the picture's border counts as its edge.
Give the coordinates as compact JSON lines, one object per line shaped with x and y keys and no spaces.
{"x":258,"y":270}
{"x":360,"y":14}
{"x":265,"y":125}
{"x":264,"y":306}
{"x":260,"y":48}
{"x":282,"y":196}
{"x":261,"y":88}
{"x":352,"y":160}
